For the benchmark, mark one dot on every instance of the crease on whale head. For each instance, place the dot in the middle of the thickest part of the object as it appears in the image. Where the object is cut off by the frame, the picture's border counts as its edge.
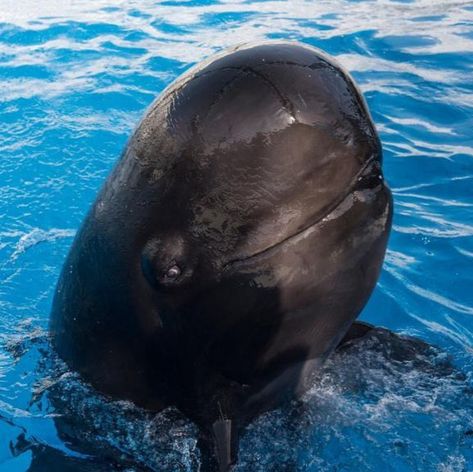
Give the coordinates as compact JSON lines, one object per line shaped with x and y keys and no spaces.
{"x":339,"y":205}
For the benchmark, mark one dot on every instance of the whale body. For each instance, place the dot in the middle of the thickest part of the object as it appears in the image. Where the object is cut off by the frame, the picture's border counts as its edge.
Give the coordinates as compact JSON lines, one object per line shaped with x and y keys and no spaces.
{"x":234,"y":244}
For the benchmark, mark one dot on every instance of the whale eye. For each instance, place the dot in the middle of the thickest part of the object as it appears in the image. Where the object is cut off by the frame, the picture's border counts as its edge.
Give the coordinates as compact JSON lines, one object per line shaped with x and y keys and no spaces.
{"x":173,"y":272}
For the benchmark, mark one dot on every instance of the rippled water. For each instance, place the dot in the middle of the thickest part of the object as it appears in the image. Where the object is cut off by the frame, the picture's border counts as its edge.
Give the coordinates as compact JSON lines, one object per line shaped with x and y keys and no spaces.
{"x":74,"y":79}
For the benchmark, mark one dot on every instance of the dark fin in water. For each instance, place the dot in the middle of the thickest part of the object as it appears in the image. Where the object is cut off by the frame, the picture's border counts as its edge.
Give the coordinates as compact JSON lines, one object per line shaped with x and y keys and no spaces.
{"x":225,"y":434}
{"x":357,"y":330}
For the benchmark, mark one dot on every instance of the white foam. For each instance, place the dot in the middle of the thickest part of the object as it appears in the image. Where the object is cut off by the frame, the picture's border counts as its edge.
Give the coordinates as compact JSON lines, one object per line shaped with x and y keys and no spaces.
{"x":37,"y":236}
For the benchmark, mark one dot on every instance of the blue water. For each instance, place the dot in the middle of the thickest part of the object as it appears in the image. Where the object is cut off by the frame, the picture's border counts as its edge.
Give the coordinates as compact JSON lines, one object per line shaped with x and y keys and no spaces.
{"x":75,"y":77}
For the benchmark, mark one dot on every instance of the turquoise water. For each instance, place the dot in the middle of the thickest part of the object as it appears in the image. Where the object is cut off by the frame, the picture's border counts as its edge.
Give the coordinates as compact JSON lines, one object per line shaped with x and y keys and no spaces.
{"x":75,"y":77}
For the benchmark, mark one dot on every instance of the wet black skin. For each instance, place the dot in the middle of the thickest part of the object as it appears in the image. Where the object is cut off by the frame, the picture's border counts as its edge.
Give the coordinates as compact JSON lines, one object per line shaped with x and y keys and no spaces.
{"x":234,"y":244}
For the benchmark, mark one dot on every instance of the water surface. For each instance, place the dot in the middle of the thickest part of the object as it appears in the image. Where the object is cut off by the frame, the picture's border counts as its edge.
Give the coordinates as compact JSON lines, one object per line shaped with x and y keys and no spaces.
{"x":75,"y":77}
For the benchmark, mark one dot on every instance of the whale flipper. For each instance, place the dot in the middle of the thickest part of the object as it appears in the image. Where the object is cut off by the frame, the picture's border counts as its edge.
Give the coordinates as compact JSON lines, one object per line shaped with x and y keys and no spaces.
{"x":357,"y":330}
{"x":225,"y":436}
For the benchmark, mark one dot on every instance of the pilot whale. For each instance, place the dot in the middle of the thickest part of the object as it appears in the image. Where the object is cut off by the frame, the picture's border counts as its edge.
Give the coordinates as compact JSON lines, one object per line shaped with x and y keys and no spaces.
{"x":232,"y":247}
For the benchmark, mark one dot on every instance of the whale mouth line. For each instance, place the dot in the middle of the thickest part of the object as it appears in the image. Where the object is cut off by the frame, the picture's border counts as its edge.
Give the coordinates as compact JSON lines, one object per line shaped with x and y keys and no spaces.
{"x":336,"y":203}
